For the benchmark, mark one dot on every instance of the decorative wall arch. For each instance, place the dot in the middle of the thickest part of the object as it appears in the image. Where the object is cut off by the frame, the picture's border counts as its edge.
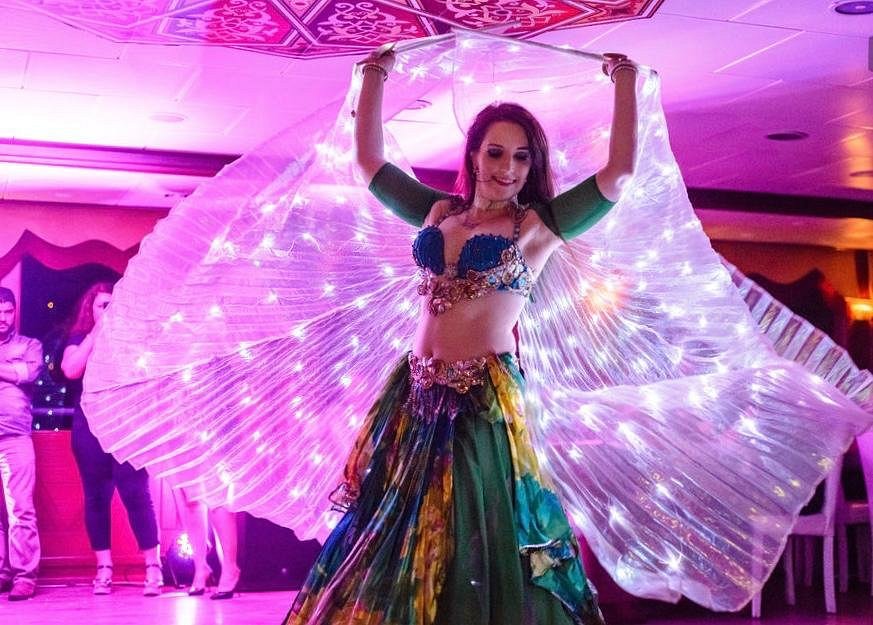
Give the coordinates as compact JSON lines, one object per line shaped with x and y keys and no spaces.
{"x":57,"y":257}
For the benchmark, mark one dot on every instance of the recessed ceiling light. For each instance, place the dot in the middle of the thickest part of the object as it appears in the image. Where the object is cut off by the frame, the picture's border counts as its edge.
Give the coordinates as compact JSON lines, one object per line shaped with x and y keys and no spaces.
{"x":791,"y":135}
{"x":167,"y":118}
{"x":864,"y":173}
{"x":859,"y":7}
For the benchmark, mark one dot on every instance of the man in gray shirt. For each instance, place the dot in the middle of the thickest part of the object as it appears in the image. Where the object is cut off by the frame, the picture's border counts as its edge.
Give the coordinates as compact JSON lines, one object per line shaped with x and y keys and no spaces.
{"x":20,"y":364}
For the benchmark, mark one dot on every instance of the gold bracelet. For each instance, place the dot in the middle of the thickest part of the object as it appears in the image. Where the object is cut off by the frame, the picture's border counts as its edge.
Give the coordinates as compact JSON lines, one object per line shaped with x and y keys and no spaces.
{"x":377,"y":68}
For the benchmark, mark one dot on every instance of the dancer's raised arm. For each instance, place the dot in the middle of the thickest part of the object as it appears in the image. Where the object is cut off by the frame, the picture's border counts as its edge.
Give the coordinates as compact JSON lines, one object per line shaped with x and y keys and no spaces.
{"x":405,"y":196}
{"x":369,"y":145}
{"x":623,"y":136}
{"x":576,"y":210}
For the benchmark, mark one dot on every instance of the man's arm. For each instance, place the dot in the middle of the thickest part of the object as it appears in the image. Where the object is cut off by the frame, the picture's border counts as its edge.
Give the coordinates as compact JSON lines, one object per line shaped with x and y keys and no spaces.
{"x":25,"y":369}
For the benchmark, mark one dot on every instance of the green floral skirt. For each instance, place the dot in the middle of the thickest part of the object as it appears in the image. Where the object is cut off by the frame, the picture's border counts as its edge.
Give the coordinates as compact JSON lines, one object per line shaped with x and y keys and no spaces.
{"x":448,"y":519}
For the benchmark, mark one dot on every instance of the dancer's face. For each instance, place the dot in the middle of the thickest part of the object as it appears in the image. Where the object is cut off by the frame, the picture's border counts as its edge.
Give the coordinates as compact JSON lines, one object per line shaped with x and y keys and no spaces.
{"x":101,"y":301}
{"x":502,"y":162}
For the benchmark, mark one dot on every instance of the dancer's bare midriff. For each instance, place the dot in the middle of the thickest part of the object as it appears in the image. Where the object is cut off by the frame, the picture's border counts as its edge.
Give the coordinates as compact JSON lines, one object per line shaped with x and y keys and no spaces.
{"x":470,"y":329}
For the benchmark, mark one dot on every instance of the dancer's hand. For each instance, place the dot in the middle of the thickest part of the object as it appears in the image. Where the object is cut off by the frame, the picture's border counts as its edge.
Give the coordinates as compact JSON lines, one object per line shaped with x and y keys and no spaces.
{"x":383,"y":56}
{"x":613,"y":62}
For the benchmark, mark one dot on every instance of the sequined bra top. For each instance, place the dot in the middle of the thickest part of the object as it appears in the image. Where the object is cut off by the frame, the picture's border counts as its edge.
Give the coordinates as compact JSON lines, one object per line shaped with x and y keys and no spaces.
{"x":488,"y":263}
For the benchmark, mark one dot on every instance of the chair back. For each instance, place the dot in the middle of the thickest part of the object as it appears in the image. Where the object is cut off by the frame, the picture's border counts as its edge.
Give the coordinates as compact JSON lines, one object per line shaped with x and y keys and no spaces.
{"x":833,"y":492}
{"x":865,"y":448}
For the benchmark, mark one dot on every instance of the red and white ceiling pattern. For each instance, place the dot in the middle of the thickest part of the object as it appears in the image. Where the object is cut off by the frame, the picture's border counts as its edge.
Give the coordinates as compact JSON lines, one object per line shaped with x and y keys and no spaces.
{"x":311,"y":28}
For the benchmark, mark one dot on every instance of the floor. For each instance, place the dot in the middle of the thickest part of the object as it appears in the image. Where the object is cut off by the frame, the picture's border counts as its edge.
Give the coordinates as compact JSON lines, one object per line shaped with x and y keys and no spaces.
{"x":75,"y":605}
{"x":853,"y":608}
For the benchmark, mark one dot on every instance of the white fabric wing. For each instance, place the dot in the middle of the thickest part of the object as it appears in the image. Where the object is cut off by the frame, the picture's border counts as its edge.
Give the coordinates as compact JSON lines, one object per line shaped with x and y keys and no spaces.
{"x":250,"y":335}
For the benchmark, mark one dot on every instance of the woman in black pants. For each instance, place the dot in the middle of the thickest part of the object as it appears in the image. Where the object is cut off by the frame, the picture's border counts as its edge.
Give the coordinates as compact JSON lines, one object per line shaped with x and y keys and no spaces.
{"x":101,"y":473}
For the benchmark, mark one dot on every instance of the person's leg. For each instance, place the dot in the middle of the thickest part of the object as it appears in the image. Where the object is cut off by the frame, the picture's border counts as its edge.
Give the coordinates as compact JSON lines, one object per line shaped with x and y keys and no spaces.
{"x":5,"y":571}
{"x":224,"y":524}
{"x":133,"y":488}
{"x":95,"y":470}
{"x":18,"y":470}
{"x":195,"y":520}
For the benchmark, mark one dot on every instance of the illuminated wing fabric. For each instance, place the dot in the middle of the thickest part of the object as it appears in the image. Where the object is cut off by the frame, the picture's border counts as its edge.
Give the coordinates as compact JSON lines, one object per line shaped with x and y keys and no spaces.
{"x":248,"y":338}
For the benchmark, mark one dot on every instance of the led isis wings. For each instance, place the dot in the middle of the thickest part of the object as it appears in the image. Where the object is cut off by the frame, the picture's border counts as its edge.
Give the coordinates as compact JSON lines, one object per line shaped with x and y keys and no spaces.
{"x":248,"y":338}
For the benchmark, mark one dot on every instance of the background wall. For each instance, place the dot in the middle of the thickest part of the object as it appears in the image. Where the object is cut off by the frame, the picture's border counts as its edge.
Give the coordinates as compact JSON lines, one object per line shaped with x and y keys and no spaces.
{"x":46,"y":230}
{"x":64,"y":236}
{"x":787,"y":263}
{"x":65,"y":225}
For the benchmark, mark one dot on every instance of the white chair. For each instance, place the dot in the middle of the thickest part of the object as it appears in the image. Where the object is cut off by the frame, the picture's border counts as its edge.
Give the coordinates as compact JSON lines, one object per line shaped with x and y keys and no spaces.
{"x":820,"y":524}
{"x":857,"y":513}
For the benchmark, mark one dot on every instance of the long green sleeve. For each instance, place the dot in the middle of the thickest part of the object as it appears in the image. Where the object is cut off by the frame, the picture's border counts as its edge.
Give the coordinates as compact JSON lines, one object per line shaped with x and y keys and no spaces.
{"x":404,"y":195}
{"x":576,"y":210}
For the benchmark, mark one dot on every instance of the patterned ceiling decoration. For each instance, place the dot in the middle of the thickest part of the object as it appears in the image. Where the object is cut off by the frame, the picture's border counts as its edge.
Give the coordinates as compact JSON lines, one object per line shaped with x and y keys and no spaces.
{"x":315,"y":28}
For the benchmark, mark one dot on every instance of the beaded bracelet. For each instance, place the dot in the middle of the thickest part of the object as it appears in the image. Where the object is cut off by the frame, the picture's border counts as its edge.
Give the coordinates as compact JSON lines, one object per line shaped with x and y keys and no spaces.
{"x":620,"y":66}
{"x":377,"y":68}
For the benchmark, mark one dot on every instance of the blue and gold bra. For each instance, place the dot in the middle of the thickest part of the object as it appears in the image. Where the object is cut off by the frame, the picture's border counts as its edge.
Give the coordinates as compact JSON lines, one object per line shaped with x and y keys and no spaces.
{"x":488,"y":263}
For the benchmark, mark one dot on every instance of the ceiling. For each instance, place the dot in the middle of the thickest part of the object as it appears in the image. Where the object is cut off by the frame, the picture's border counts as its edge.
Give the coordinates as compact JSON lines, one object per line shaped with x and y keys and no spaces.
{"x":316,"y":28}
{"x":733,"y":71}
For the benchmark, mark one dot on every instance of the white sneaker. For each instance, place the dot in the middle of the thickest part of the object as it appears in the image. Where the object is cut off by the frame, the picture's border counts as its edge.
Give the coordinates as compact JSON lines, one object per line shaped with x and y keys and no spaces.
{"x":103,"y":580}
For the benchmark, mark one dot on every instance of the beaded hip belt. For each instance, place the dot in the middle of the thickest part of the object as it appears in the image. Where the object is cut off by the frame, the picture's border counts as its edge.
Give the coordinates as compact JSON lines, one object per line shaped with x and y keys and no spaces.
{"x":460,"y":375}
